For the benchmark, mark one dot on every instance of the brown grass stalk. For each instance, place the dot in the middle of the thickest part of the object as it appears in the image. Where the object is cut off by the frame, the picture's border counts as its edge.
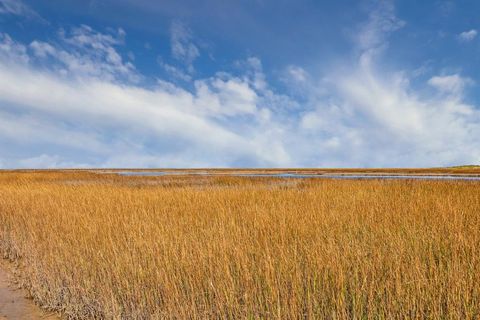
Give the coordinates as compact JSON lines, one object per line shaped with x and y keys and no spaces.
{"x":103,"y":246}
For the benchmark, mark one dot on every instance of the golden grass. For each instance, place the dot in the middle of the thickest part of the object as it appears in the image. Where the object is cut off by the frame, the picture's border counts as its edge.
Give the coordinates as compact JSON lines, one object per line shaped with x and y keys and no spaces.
{"x":104,"y":246}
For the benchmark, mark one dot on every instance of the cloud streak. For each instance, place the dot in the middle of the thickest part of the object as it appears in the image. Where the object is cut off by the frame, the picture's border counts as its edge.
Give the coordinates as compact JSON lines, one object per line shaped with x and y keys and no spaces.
{"x":86,"y":52}
{"x":182,"y":44}
{"x":18,"y":8}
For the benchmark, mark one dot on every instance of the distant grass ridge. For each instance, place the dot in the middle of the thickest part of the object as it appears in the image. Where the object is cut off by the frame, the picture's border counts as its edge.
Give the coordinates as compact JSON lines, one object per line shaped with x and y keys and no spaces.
{"x":470,"y":166}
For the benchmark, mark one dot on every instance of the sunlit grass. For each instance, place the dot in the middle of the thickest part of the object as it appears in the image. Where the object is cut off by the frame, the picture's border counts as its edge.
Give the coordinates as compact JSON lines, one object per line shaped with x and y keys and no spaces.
{"x":104,"y":246}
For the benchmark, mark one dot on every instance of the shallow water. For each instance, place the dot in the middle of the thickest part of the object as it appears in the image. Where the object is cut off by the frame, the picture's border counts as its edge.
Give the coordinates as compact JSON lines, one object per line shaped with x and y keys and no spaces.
{"x":15,"y":305}
{"x":307,"y":176}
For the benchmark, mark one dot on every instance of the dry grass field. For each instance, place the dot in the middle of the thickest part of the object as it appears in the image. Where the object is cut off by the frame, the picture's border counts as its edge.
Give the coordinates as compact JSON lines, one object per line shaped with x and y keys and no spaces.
{"x":110,"y":247}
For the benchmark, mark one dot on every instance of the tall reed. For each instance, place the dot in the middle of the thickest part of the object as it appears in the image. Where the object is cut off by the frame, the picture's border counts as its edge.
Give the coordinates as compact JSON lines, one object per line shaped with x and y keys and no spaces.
{"x":104,"y":246}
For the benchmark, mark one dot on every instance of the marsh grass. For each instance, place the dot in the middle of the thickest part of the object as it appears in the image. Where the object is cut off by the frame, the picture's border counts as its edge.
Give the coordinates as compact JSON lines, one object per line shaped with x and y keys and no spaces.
{"x":105,"y":246}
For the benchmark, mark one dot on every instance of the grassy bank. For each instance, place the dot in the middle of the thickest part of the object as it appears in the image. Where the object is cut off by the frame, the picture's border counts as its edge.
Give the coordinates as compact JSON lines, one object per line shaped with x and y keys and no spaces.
{"x":104,"y":246}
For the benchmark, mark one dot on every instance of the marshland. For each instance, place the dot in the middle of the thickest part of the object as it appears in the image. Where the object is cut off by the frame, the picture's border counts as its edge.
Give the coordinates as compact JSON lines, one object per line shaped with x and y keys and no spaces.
{"x":96,"y":245}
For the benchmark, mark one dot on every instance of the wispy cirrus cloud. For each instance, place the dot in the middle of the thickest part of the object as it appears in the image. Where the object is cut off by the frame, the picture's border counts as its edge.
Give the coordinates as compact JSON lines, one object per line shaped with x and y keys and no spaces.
{"x":18,"y":8}
{"x":381,"y":23}
{"x":175,"y":72}
{"x":453,"y":84}
{"x":86,"y":52}
{"x":372,"y":116}
{"x":182,"y":45}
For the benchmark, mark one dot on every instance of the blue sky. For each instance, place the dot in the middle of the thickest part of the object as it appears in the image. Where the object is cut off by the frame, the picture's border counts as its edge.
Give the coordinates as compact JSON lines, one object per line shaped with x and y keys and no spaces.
{"x":256,"y":83}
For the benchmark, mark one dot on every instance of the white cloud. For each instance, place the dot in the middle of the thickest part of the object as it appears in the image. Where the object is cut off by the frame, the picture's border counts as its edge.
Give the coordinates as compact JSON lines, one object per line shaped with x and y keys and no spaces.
{"x":450,"y":84}
{"x":375,"y":118}
{"x":98,"y":118}
{"x":48,"y":162}
{"x":86,"y":52}
{"x":11,"y":50}
{"x":182,"y":45}
{"x":468,"y":35}
{"x":297,"y":74}
{"x":378,"y":120}
{"x":230,"y":96}
{"x":299,"y":82}
{"x":382,"y":21}
{"x":174,"y":71}
{"x":18,"y":8}
{"x":23,"y":128}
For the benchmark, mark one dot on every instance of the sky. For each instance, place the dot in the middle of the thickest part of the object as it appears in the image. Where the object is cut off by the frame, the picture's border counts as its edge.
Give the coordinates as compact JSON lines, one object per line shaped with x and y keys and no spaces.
{"x":246,"y":83}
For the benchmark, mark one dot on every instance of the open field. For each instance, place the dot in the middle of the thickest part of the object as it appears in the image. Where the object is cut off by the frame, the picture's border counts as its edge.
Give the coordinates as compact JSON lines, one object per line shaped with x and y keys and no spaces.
{"x":95,"y":245}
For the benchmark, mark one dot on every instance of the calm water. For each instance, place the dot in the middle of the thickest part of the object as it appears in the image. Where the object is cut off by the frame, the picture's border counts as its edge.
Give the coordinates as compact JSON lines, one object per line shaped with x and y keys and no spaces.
{"x":305,"y":176}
